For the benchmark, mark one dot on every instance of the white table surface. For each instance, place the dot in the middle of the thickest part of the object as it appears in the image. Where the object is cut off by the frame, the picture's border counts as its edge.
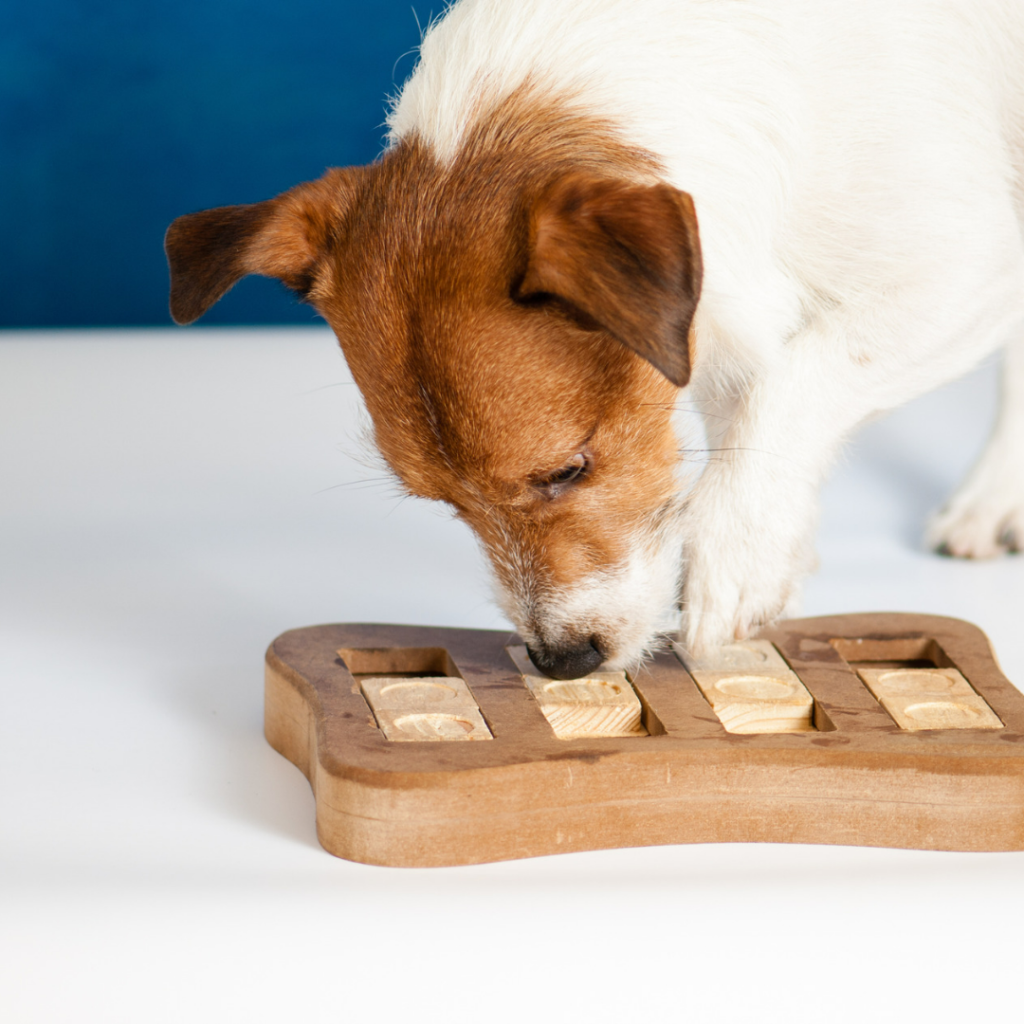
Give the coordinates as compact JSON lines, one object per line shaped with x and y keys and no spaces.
{"x":172,"y":500}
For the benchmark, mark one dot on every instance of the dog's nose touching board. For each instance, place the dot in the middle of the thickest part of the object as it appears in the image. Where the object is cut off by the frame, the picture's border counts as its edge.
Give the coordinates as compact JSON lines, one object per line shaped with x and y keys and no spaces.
{"x":444,"y":746}
{"x":598,"y":704}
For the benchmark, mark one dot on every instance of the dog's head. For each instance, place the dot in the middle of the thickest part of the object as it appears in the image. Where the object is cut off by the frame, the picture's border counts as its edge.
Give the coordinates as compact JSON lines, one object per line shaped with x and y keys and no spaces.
{"x":518,"y":338}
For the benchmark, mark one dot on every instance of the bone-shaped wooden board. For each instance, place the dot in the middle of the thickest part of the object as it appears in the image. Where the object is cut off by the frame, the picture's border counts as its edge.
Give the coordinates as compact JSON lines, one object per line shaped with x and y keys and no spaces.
{"x":912,"y":738}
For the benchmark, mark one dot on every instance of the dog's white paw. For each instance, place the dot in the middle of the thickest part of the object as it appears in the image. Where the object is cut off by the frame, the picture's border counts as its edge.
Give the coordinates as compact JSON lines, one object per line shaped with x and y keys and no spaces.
{"x":742,"y":573}
{"x":985,"y":517}
{"x":978,"y":525}
{"x":718,"y":611}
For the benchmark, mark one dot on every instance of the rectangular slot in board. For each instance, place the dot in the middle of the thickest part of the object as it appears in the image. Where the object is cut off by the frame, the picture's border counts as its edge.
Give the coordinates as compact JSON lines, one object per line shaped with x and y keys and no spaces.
{"x":397,"y":661}
{"x":752,"y":690}
{"x":416,"y":695}
{"x":917,"y":684}
{"x":602,"y":704}
{"x":903,"y":652}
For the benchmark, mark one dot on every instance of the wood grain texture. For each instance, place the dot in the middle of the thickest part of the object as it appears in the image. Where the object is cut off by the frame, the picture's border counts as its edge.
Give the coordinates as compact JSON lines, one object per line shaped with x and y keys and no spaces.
{"x":743,"y":656}
{"x":601,"y":704}
{"x":766,"y":702}
{"x":929,"y":698}
{"x":856,"y":778}
{"x":417,"y":709}
{"x":751,"y":688}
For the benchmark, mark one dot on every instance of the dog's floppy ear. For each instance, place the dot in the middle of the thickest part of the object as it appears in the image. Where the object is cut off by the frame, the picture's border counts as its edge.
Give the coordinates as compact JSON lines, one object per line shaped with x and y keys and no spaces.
{"x":625,"y":255}
{"x":209,"y":252}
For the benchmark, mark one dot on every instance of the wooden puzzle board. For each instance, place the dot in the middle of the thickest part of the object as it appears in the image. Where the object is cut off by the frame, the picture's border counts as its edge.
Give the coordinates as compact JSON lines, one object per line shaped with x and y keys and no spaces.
{"x":475,"y":772}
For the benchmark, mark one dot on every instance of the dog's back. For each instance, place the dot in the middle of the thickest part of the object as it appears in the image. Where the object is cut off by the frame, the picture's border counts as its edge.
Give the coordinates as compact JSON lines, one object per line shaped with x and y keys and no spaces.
{"x":817,"y":139}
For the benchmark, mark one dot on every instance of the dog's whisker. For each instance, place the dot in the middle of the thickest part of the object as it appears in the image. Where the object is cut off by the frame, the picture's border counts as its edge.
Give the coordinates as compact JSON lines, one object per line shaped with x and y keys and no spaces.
{"x":357,"y":484}
{"x":328,"y":387}
{"x":397,"y":504}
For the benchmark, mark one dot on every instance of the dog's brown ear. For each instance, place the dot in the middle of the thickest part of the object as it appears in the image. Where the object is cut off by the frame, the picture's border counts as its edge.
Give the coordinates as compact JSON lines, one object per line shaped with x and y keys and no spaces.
{"x":627,"y":256}
{"x":209,"y":252}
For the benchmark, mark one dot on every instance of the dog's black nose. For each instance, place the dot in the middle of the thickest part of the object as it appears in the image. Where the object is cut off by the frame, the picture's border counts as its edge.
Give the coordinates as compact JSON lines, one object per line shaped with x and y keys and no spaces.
{"x":567,"y":661}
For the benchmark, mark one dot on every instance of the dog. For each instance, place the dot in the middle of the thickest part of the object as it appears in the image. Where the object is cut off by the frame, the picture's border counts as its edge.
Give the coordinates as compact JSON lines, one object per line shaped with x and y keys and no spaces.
{"x":801,"y":212}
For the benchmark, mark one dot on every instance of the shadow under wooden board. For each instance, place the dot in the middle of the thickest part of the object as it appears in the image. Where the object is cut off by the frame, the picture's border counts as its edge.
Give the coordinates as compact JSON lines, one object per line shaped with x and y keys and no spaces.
{"x":445,"y":746}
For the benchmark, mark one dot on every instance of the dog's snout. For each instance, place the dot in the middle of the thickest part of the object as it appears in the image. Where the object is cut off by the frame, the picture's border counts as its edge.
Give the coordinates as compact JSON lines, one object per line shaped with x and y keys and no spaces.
{"x":569,"y":660}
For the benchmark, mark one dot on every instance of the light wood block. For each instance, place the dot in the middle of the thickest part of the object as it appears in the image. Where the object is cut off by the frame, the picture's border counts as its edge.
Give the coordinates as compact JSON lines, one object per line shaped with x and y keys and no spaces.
{"x":751,"y":688}
{"x":914,"y":682}
{"x":858,"y":779}
{"x":766,"y":702}
{"x":601,"y":704}
{"x":424,"y":709}
{"x":433,"y":726}
{"x":929,"y":698}
{"x":416,"y":693}
{"x":742,"y":656}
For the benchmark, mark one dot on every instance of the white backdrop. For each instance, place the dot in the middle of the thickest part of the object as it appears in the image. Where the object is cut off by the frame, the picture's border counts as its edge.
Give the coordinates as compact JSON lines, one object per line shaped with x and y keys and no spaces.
{"x":172,"y":500}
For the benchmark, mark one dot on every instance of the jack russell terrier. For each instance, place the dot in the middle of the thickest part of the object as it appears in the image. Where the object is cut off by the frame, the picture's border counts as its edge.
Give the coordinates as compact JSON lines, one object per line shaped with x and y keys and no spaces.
{"x":807,"y":211}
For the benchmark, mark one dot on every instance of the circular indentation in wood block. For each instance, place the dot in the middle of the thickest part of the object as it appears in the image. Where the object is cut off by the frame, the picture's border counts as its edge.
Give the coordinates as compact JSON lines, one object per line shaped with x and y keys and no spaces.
{"x":743,"y":655}
{"x":739,"y":656}
{"x":757,"y":687}
{"x":583,"y":691}
{"x":434,"y":726}
{"x":941,"y":713}
{"x":916,"y":681}
{"x":422,"y":689}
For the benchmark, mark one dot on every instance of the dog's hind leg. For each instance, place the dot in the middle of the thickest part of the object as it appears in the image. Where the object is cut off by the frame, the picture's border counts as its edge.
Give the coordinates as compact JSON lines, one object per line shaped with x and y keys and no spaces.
{"x":985,"y":517}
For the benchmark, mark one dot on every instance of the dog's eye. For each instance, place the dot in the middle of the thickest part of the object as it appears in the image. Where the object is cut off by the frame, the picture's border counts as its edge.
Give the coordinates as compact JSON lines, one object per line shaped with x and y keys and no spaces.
{"x":572,"y":472}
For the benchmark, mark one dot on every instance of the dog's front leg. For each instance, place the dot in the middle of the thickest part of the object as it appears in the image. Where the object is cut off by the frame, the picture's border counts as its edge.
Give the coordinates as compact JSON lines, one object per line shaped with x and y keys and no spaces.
{"x":986,"y":515}
{"x":750,"y":519}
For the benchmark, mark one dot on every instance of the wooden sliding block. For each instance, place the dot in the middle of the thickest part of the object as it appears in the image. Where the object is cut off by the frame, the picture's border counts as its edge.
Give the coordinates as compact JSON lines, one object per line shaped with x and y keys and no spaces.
{"x":751,"y":689}
{"x":424,"y":709}
{"x":421,"y":726}
{"x":929,"y":698}
{"x":746,"y":656}
{"x":422,"y":693}
{"x":601,"y":704}
{"x":758,"y":703}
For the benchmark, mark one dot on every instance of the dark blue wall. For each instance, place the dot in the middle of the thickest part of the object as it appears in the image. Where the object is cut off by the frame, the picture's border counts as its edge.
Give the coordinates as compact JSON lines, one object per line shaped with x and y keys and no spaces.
{"x":117,"y":116}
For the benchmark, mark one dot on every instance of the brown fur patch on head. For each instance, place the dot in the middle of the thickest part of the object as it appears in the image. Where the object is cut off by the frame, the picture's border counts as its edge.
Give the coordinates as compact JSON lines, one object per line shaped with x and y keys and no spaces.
{"x":503,"y":314}
{"x":476,"y":394}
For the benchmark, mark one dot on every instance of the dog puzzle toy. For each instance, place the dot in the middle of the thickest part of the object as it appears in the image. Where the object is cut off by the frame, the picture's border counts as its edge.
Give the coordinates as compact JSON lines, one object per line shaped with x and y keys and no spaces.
{"x":447,"y":746}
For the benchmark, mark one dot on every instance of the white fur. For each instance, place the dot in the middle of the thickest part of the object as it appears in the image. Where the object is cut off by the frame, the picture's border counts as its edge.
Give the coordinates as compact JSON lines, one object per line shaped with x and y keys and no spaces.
{"x":857,"y":174}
